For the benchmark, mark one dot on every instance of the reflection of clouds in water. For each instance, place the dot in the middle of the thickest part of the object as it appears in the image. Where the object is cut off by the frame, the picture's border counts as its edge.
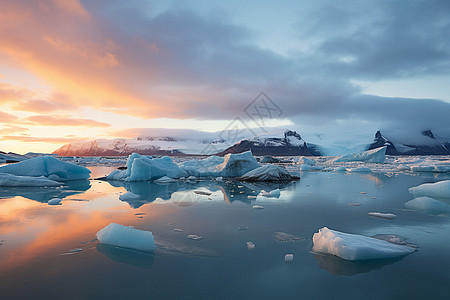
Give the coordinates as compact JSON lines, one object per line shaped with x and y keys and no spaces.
{"x":341,"y":267}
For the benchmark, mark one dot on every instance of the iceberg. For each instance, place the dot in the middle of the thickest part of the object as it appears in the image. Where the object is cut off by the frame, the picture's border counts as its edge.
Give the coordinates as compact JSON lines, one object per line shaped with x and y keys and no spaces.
{"x":127,"y":237}
{"x":129,"y":196}
{"x":377,"y":155}
{"x":49,"y":167}
{"x":232,"y":165}
{"x":145,"y":168}
{"x":26,"y":181}
{"x":289,"y":258}
{"x":439,"y":189}
{"x":267,"y":173}
{"x":428,"y":205}
{"x":165,"y":179}
{"x":356,"y":247}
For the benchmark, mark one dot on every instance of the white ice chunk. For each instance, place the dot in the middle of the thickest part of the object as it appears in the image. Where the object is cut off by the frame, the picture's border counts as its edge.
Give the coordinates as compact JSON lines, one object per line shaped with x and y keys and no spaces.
{"x":356,"y":247}
{"x":258,"y":207}
{"x":360,"y":170}
{"x":47,"y":166}
{"x":377,"y":155}
{"x":24,"y":181}
{"x":251,"y":245}
{"x":54,"y":201}
{"x":381,"y":215}
{"x":428,"y":205}
{"x":267,"y":173}
{"x":127,"y":237}
{"x":272,"y":194}
{"x":219,"y":178}
{"x":289,"y":258}
{"x":194,"y":237}
{"x":439,"y":189}
{"x":129,"y":196}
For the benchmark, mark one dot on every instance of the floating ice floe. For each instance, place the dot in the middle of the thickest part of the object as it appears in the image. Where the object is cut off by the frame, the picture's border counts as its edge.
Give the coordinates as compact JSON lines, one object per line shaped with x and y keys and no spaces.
{"x":165,"y":179}
{"x":194,"y":237}
{"x":387,"y":216}
{"x":127,"y":237}
{"x":48,"y":167}
{"x":289,"y":258}
{"x":428,"y":205}
{"x":341,"y":169}
{"x":377,"y":155}
{"x":272,"y":194}
{"x":26,"y":181}
{"x":286,"y":237}
{"x":268,"y":173}
{"x":129,"y":196}
{"x":360,"y":170}
{"x":250,"y":245}
{"x":144,"y":168}
{"x":54,"y":201}
{"x":232,"y":165}
{"x":356,"y":247}
{"x":258,"y":207}
{"x":439,"y":189}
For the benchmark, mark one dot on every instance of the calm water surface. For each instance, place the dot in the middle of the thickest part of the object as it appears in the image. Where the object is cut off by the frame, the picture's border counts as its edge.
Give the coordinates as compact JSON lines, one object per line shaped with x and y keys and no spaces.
{"x":38,"y":260}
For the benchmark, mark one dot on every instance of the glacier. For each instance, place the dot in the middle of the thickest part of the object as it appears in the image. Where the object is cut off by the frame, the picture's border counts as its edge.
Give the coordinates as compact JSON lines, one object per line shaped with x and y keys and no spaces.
{"x":377,"y":155}
{"x":127,"y":237}
{"x":356,"y":247}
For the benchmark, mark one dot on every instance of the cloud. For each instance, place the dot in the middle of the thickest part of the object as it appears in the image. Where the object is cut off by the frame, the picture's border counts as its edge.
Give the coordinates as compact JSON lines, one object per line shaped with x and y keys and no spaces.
{"x":125,"y":57}
{"x":7,"y":118}
{"x":43,"y":106}
{"x":31,"y":139}
{"x":48,"y":120}
{"x":11,"y":129}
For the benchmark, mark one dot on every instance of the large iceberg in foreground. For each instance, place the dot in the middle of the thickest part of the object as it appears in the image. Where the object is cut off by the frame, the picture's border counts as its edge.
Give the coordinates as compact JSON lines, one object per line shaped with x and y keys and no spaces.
{"x":47,"y":166}
{"x":143,"y":168}
{"x":268,"y":173}
{"x":127,"y":237}
{"x":377,"y":155}
{"x":231,"y":165}
{"x":356,"y":247}
{"x":439,"y":189}
{"x":26,"y":181}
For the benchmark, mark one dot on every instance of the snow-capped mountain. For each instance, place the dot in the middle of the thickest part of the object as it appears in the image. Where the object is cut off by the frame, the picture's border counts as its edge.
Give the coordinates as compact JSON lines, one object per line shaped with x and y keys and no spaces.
{"x":290,"y":143}
{"x":426,"y":144}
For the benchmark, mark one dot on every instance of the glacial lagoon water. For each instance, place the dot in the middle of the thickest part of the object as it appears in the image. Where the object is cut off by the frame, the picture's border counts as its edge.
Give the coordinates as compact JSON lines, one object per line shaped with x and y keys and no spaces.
{"x":50,"y":252}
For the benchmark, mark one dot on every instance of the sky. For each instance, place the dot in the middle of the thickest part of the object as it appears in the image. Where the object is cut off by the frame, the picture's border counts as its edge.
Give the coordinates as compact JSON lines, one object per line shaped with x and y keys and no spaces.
{"x":74,"y":70}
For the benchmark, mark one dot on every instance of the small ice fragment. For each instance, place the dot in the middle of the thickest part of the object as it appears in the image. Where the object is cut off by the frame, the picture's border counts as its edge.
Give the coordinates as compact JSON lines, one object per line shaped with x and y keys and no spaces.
{"x":192,"y":178}
{"x":289,"y":258}
{"x":127,"y":237}
{"x":387,"y":216}
{"x":354,"y":204}
{"x":258,"y":207}
{"x":251,"y":245}
{"x":363,"y":193}
{"x":251,"y":197}
{"x":165,"y":179}
{"x":54,"y":201}
{"x":242,"y":228}
{"x":219,"y":178}
{"x":275,"y":193}
{"x":194,"y":237}
{"x":178,"y":230}
{"x":75,"y":250}
{"x":373,"y":197}
{"x":129,"y":196}
{"x":140,"y":214}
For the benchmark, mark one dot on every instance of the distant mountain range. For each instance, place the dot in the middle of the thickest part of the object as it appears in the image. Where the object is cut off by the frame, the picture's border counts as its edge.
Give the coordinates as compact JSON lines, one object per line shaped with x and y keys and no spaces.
{"x":287,"y":143}
{"x":429,"y":145}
